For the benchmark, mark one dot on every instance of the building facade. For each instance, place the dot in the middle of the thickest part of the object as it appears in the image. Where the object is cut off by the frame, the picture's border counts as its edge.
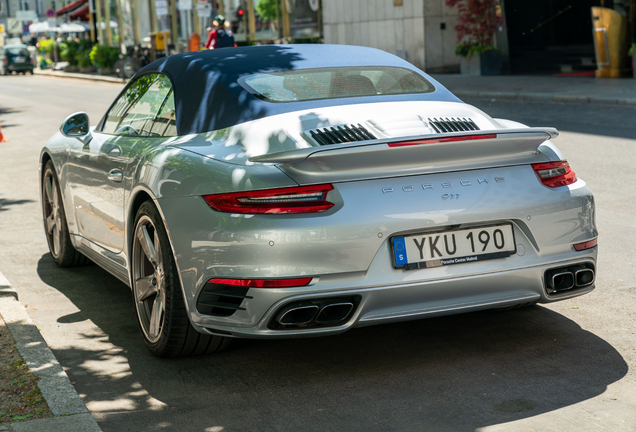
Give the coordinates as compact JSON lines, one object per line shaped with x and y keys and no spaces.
{"x":420,"y":31}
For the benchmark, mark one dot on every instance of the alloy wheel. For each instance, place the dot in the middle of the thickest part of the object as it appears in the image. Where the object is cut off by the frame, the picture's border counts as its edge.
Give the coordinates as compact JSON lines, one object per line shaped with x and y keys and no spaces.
{"x":52,"y":217}
{"x":149,"y":279}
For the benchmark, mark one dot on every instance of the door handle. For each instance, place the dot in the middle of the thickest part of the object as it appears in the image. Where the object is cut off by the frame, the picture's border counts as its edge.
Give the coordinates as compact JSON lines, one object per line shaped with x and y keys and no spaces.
{"x":116,"y":175}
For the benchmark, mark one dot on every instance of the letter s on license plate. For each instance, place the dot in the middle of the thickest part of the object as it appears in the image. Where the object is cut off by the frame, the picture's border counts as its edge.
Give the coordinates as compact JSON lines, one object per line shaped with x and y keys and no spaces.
{"x":453,"y":247}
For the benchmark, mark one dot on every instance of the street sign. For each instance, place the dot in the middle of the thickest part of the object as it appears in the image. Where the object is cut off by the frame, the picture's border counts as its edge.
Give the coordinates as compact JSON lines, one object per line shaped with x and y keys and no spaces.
{"x":184,"y":5}
{"x":204,"y":9}
{"x":52,"y":22}
{"x":50,"y":13}
{"x":27,"y":15}
{"x":161,"y":8}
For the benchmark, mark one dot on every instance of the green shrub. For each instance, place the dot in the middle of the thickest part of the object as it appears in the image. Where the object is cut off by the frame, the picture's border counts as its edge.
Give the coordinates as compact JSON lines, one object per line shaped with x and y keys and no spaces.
{"x":47,"y":46}
{"x":103,"y":56}
{"x":68,"y":52}
{"x":83,"y":58}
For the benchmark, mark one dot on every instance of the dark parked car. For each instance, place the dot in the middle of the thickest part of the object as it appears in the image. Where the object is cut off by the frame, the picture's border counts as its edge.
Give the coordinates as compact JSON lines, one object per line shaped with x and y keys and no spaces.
{"x":15,"y":58}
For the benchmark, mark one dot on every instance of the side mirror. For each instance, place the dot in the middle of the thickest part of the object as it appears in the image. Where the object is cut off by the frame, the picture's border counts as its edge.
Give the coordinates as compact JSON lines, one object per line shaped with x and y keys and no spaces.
{"x":76,"y":125}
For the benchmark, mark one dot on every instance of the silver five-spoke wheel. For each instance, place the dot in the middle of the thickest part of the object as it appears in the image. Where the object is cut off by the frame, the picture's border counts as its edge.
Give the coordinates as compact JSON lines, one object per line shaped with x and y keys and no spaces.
{"x":161,"y":310}
{"x":52,"y":219}
{"x":149,"y":279}
{"x":55,"y":227}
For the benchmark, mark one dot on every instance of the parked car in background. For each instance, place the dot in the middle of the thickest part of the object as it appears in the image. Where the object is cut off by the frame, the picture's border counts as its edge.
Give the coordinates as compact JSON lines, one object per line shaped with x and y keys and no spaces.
{"x":16,"y":58}
{"x":303,"y":190}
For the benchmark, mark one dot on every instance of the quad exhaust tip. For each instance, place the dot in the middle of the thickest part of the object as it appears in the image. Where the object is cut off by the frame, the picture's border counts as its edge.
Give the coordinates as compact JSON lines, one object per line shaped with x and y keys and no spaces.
{"x":567,"y":278}
{"x":315,"y":313}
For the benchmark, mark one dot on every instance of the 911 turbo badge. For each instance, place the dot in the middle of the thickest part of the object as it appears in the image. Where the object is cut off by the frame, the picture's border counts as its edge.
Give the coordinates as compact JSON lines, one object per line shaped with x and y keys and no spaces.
{"x":447,"y":184}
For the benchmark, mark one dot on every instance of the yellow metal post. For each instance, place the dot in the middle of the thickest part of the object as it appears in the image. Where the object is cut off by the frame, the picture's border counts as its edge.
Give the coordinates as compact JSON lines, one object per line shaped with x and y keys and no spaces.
{"x":136,"y":28}
{"x":173,"y":22}
{"x":121,"y":31}
{"x":100,"y":30}
{"x":250,"y":19}
{"x":195,"y":18}
{"x":153,"y":16}
{"x":109,"y":31}
{"x":92,"y":24}
{"x":221,"y":8}
{"x":285,"y":13}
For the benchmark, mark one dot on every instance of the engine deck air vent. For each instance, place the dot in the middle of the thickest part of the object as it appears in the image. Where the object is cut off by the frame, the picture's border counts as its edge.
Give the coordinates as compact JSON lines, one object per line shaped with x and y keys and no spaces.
{"x":341,"y":134}
{"x":449,"y":124}
{"x":221,"y":300}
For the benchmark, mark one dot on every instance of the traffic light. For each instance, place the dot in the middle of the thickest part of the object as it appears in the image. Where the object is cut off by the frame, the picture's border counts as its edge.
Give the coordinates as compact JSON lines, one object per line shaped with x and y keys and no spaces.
{"x":240,"y":12}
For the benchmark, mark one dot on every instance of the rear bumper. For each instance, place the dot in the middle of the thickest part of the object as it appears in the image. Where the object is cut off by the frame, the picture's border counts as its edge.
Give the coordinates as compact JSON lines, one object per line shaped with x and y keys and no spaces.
{"x":347,"y":251}
{"x":411,"y":301}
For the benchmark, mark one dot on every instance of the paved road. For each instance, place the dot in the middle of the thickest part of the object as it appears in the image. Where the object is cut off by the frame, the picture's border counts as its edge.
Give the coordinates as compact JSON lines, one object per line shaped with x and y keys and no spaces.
{"x":566,"y":367}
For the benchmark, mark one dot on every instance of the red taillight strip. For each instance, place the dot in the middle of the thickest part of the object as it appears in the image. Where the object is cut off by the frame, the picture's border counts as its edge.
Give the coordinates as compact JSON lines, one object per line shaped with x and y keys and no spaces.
{"x":585,"y":245}
{"x":263,"y":283}
{"x":443,"y":140}
{"x":301,"y":199}
{"x":554,"y":174}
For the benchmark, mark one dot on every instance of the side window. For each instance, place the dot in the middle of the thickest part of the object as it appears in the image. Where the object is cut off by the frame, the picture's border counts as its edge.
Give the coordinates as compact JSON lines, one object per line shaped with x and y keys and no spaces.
{"x":146,"y":109}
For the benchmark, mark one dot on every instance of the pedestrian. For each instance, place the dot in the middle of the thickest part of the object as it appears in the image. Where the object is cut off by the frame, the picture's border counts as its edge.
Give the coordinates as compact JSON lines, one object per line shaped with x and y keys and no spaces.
{"x":221,"y":37}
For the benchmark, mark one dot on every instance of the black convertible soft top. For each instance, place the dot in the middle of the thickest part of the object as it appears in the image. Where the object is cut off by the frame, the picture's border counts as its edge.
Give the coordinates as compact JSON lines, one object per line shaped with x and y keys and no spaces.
{"x":208,"y":96}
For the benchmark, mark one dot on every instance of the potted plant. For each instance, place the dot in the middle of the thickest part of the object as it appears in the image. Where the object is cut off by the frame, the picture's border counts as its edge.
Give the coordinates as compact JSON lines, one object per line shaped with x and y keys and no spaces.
{"x":83,"y":58}
{"x":103,"y":58}
{"x":478,"y":22}
{"x":68,"y":52}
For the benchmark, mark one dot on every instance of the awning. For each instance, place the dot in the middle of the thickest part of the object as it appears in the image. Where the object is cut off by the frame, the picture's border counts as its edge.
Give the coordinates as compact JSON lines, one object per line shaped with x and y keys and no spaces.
{"x":80,"y":12}
{"x":69,"y":7}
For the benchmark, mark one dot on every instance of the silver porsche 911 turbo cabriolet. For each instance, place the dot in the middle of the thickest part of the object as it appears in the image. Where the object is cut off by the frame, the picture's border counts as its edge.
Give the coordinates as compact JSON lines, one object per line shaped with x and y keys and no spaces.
{"x":302,"y":190}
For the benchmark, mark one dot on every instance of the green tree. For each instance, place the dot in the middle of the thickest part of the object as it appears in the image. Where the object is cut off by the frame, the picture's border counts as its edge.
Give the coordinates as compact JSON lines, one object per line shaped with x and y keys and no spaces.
{"x":266,"y":9}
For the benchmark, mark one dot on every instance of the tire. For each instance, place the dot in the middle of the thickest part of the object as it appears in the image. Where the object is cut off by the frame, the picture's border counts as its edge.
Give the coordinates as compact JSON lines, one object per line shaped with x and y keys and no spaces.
{"x":161,"y":313}
{"x":55,"y":226}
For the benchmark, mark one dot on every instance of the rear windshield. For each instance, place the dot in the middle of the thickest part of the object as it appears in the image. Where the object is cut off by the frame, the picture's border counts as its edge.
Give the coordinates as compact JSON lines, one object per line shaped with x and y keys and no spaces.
{"x":18,"y":51}
{"x":333,"y":83}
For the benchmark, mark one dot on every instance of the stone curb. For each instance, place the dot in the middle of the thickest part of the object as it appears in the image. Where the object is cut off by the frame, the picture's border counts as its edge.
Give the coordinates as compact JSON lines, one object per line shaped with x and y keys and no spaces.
{"x":82,"y":76}
{"x":56,"y":388}
{"x":542,"y":97}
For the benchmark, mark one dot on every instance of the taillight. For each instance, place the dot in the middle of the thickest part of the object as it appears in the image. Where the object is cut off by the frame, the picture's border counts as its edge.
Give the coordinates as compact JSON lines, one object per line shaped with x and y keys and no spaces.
{"x":553,"y":174}
{"x":262,"y":283}
{"x":302,"y":199}
{"x":6,"y":60}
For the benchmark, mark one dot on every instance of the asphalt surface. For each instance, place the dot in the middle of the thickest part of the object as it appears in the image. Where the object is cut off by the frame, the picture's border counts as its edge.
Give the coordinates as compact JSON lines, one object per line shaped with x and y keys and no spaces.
{"x":565,"y":367}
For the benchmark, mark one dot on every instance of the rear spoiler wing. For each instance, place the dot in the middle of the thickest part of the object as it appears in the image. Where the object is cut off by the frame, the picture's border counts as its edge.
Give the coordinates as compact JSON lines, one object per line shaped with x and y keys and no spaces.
{"x":414,"y":155}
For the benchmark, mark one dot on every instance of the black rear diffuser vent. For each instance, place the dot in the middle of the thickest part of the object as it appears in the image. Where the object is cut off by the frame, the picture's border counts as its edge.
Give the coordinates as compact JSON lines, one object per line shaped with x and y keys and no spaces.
{"x":449,"y":124}
{"x":221,"y":300}
{"x":341,"y":134}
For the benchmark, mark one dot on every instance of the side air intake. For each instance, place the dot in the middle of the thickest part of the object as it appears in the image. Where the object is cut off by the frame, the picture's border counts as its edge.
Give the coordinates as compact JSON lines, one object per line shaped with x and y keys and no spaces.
{"x":450,"y":124}
{"x":340,"y":134}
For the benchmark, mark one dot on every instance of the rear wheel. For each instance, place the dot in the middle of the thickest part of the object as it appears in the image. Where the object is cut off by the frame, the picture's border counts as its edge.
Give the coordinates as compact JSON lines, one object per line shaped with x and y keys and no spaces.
{"x":157,"y":294}
{"x":55,"y":227}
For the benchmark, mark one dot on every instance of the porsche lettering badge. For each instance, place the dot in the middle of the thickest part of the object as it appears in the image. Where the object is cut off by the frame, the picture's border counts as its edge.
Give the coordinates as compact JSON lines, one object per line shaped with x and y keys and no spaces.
{"x":446,"y":184}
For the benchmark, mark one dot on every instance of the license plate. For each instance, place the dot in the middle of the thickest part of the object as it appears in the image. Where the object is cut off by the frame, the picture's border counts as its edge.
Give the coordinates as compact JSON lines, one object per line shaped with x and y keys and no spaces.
{"x":19,"y":60}
{"x":451,"y":247}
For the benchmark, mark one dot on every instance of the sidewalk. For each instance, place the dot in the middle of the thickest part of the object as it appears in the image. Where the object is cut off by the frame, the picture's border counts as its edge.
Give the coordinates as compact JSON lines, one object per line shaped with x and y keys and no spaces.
{"x":71,"y":414}
{"x":77,"y":75}
{"x":542,"y":88}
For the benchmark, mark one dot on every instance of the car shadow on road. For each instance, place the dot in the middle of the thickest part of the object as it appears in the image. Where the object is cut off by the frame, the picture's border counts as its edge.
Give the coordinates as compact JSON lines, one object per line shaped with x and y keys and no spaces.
{"x":456,"y":373}
{"x":6,"y":203}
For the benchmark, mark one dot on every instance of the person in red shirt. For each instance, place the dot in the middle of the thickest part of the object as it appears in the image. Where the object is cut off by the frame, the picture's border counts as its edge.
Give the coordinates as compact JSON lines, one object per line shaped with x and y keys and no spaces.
{"x":220,"y":38}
